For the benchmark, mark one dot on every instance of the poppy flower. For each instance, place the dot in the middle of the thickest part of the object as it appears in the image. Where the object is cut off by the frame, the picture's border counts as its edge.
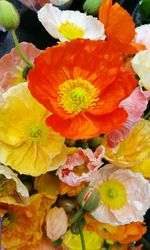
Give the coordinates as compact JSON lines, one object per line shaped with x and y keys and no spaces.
{"x":25,"y":134}
{"x":22,"y":225}
{"x":124,"y":196}
{"x":82,"y":83}
{"x":67,"y":25}
{"x":123,"y":234}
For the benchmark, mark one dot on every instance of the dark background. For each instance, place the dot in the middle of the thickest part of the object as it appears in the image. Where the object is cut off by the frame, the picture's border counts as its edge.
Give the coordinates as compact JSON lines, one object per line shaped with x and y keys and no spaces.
{"x":31,"y":30}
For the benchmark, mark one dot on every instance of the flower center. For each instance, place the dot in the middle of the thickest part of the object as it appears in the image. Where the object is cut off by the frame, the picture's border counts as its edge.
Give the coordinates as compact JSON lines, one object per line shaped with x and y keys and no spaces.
{"x":7,"y":219}
{"x":35,"y":131}
{"x":79,"y":170}
{"x":70,"y":30}
{"x":113,"y":194}
{"x":77,"y":95}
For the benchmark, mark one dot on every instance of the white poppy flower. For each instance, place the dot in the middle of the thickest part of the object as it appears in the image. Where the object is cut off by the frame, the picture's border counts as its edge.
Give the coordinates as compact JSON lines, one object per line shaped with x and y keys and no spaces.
{"x":67,"y":25}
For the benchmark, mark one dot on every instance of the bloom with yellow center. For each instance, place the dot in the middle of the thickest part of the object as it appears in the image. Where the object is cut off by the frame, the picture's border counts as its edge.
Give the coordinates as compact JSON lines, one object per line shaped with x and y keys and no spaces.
{"x":134,"y":151}
{"x":82,"y":84}
{"x":68,"y":25}
{"x":26,"y":143}
{"x":124,"y":196}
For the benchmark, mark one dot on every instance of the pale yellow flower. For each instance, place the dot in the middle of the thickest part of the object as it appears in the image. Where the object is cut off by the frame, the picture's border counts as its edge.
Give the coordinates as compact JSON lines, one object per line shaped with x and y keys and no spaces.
{"x":92,"y":241}
{"x":134,"y":150}
{"x":26,"y":143}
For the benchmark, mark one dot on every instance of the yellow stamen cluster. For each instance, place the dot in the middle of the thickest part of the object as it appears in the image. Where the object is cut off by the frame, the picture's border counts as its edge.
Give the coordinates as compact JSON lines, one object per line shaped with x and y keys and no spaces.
{"x":35,"y":132}
{"x":77,"y":95}
{"x":113,"y":194}
{"x":70,"y":30}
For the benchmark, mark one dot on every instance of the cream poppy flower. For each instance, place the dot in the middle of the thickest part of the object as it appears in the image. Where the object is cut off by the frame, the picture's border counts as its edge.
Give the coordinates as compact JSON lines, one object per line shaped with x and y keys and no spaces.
{"x":124,"y":196}
{"x":68,"y":25}
{"x":26,"y":143}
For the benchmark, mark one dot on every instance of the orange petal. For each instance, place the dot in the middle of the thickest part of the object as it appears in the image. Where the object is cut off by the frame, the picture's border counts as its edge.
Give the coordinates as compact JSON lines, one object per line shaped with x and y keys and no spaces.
{"x":117,"y":21}
{"x":87,"y":126}
{"x":104,"y":11}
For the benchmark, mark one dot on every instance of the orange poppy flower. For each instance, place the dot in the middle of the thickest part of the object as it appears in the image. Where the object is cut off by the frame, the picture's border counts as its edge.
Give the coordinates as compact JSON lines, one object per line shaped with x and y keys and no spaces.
{"x":118,"y":23}
{"x":82,"y":83}
{"x":123,"y":234}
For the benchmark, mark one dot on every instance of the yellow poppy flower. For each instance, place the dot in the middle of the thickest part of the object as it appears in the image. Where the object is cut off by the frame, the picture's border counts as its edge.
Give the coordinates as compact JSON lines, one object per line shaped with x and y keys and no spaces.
{"x":26,"y":143}
{"x":134,"y":151}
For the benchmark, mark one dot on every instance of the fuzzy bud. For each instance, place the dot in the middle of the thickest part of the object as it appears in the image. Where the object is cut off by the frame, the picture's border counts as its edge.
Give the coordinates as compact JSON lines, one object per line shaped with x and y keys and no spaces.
{"x":9,"y":16}
{"x":91,"y":7}
{"x":88,"y":198}
{"x":145,"y":8}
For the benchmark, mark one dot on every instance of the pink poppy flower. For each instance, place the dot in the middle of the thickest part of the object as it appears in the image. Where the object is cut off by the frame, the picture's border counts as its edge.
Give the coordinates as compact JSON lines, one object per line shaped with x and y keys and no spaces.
{"x":81,"y":166}
{"x":12,"y":66}
{"x":124,"y":195}
{"x":135,"y":105}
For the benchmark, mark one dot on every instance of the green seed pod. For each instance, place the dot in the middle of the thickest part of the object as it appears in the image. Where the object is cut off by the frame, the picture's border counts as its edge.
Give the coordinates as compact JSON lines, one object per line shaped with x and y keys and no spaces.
{"x":88,"y":198}
{"x":9,"y":16}
{"x":91,"y":7}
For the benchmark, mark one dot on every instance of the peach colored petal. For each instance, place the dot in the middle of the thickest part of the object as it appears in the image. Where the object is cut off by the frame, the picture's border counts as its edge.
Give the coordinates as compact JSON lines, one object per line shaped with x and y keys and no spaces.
{"x":12,"y":66}
{"x":138,"y":196}
{"x":85,"y":157}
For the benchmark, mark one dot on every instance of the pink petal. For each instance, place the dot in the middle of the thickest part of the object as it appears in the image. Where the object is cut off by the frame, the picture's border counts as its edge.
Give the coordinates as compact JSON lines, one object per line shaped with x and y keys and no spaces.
{"x":135,"y":105}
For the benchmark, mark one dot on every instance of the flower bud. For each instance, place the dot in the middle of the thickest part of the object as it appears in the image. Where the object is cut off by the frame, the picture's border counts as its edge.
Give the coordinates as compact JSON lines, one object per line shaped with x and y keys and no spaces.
{"x":91,"y":7}
{"x":75,"y":226}
{"x":56,"y":223}
{"x":88,"y":198}
{"x":9,"y":16}
{"x":62,"y":4}
{"x":95,"y":142}
{"x":145,"y":8}
{"x":67,"y":204}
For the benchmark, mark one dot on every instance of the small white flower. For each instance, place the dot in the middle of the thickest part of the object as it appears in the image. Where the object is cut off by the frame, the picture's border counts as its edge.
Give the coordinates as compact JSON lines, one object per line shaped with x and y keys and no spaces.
{"x":141,"y":65}
{"x":67,"y":25}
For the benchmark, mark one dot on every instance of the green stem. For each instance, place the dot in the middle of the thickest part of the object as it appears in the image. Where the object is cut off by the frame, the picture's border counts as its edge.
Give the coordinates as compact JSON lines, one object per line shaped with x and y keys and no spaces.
{"x":81,"y":236}
{"x":147,"y":115}
{"x":20,"y":52}
{"x":76,"y":216}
